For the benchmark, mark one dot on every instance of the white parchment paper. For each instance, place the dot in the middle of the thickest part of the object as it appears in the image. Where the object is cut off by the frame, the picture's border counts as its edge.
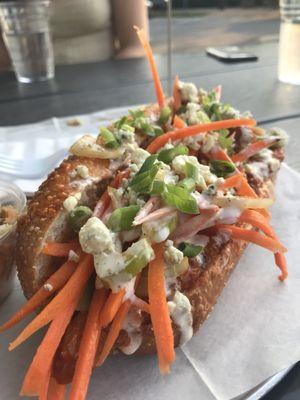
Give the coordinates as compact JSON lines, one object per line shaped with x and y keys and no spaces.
{"x":252,"y":333}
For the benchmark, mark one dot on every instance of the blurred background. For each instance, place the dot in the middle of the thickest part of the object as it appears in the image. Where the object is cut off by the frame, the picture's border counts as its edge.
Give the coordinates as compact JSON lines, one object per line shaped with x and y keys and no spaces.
{"x":94,"y":30}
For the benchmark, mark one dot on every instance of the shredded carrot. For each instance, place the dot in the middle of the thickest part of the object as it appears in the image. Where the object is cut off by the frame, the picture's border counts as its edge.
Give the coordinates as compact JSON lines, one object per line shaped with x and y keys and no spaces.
{"x":157,"y":84}
{"x":102,"y":204}
{"x":37,"y":373}
{"x":176,"y":95}
{"x":45,"y":387}
{"x":88,"y":347}
{"x":257,"y":220}
{"x":281,"y":264}
{"x":233,"y":181}
{"x":56,"y":391}
{"x":159,"y":312}
{"x":104,"y":200}
{"x":178,"y":123}
{"x":253,"y":237}
{"x":219,"y":154}
{"x":59,"y":249}
{"x":141,"y":305}
{"x":54,"y":283}
{"x":68,"y":294}
{"x":197,"y":129}
{"x":111,"y":307}
{"x":244,"y":189}
{"x":252,"y":149}
{"x":114,"y":331}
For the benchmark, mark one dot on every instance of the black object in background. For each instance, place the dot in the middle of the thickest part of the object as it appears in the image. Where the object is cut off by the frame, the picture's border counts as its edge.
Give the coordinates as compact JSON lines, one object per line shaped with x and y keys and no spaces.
{"x":231,"y":54}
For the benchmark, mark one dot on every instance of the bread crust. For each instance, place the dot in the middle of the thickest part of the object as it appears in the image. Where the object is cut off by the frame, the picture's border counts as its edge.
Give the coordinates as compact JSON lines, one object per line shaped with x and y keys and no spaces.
{"x":45,"y":218}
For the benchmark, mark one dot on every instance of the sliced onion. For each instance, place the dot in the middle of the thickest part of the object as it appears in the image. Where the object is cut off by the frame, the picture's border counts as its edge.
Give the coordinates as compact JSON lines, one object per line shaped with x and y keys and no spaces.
{"x":242,"y":202}
{"x":86,"y":146}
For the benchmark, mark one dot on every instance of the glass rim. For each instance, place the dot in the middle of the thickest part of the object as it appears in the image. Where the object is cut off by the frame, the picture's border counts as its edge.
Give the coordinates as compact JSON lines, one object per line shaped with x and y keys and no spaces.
{"x":20,"y":3}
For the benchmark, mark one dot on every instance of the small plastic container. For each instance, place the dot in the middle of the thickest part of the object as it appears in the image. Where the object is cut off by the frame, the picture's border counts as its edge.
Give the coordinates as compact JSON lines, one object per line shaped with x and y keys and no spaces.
{"x":12,"y":205}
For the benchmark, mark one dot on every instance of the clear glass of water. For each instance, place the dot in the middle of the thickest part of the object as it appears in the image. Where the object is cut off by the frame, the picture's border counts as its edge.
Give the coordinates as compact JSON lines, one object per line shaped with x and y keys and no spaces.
{"x":26,"y":33}
{"x":289,"y":42}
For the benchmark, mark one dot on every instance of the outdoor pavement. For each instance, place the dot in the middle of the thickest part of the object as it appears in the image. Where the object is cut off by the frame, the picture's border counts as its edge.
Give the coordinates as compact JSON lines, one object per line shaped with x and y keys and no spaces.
{"x":197,"y":28}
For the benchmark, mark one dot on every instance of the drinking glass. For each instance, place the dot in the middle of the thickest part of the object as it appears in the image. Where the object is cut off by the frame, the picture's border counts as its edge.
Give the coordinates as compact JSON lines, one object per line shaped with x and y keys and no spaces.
{"x":26,"y":33}
{"x":289,"y":42}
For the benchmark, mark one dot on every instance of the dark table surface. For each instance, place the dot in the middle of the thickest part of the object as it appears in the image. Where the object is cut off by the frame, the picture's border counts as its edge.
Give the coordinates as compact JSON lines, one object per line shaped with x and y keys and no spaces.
{"x":84,"y":88}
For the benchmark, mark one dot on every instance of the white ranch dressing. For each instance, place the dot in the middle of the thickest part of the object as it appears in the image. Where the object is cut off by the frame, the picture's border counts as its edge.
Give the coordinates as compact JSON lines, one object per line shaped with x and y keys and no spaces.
{"x":180,"y":310}
{"x":132,"y":326}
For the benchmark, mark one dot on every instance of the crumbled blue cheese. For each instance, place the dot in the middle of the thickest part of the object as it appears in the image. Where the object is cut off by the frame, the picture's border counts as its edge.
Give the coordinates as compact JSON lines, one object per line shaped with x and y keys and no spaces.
{"x":139,"y":156}
{"x":194,"y":114}
{"x":209,"y":142}
{"x":71,"y":202}
{"x":157,"y":231}
{"x":108,"y":264}
{"x":180,"y":310}
{"x":188,"y":92}
{"x":172,"y":255}
{"x":281,"y":134}
{"x":204,"y":175}
{"x":166,"y":174}
{"x":82,"y":171}
{"x":95,"y":237}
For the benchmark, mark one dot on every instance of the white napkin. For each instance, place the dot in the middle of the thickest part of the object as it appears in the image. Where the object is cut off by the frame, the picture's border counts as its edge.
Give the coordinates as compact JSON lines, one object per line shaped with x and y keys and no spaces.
{"x":44,"y":138}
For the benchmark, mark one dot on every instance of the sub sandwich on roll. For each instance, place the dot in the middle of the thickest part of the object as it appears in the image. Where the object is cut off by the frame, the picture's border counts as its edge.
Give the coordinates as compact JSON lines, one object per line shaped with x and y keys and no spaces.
{"x":128,"y":244}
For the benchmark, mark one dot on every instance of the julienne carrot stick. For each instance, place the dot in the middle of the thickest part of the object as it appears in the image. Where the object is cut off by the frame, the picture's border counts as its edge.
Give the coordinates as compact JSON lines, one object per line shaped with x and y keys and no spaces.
{"x":56,"y":391}
{"x":45,"y":387}
{"x":111,"y":307}
{"x":159,"y":312}
{"x":104,"y":201}
{"x":157,"y":84}
{"x":176,"y":94}
{"x":54,"y":283}
{"x":257,"y":220}
{"x":114,"y":331}
{"x":244,"y":189}
{"x":252,"y":149}
{"x":37,"y":373}
{"x":196,"y":130}
{"x":281,"y":264}
{"x":253,"y":237}
{"x":102,"y":204}
{"x":69,"y":293}
{"x":233,"y":181}
{"x":178,"y":123}
{"x":59,"y":249}
{"x":88,"y":347}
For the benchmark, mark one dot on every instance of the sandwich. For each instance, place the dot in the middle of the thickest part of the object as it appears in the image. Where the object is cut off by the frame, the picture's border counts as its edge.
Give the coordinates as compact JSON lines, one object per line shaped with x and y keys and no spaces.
{"x":128,"y":244}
